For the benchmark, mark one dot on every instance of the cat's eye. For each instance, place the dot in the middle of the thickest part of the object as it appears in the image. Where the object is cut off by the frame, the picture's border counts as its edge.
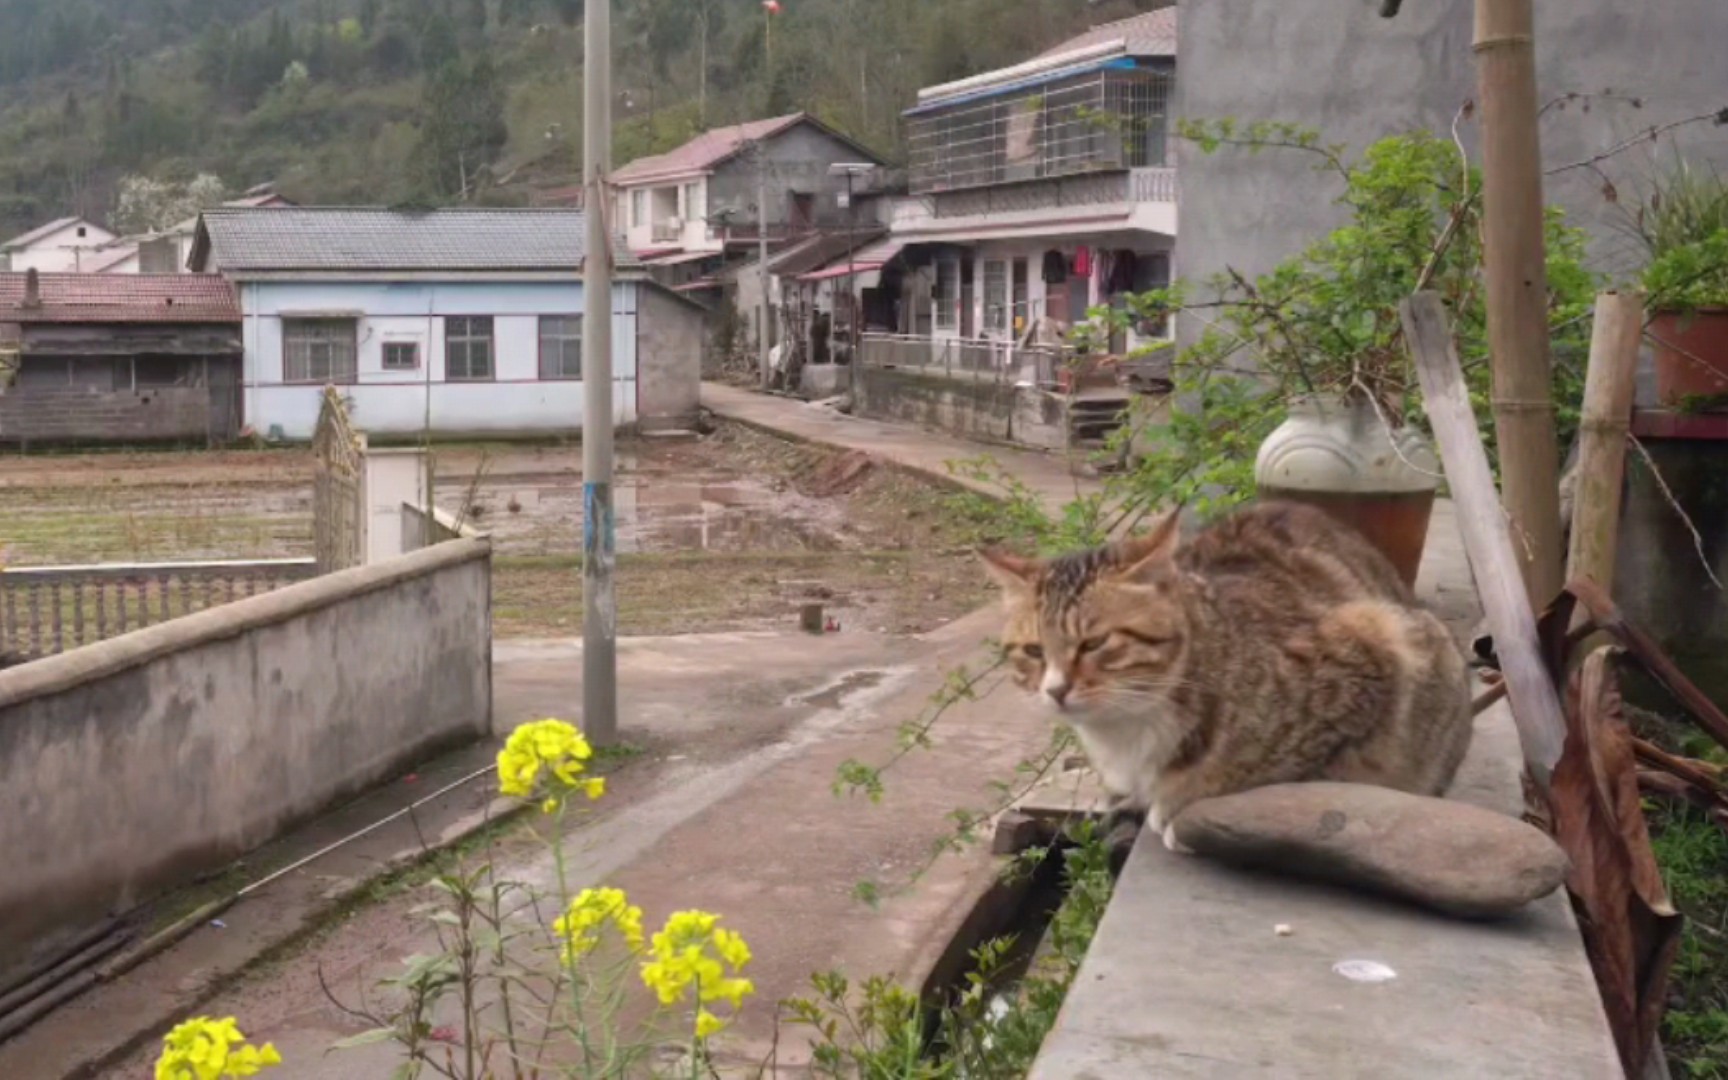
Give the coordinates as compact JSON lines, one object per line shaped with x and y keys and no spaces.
{"x":1091,"y":645}
{"x":1032,"y":652}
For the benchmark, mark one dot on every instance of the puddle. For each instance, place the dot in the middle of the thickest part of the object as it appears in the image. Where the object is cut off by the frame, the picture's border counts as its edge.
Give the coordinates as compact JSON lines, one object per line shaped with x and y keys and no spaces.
{"x":666,"y":500}
{"x":835,"y":695}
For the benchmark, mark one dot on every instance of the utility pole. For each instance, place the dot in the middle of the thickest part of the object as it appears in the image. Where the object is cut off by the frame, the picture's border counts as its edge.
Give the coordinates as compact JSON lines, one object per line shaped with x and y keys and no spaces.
{"x":1517,"y":290}
{"x":599,"y":597}
{"x":766,"y":331}
{"x":852,"y":170}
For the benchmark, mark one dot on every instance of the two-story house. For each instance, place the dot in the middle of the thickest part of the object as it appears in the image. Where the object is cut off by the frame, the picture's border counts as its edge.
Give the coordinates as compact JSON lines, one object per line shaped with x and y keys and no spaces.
{"x":700,"y":201}
{"x":1044,"y":189}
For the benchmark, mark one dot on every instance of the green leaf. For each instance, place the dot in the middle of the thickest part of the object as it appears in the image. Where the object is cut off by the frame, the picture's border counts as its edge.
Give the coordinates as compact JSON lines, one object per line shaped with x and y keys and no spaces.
{"x":365,"y":1038}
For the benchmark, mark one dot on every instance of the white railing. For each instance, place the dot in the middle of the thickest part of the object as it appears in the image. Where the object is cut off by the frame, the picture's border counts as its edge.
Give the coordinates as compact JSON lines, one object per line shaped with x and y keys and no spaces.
{"x":1152,"y":185}
{"x":972,"y":360}
{"x":53,"y":609}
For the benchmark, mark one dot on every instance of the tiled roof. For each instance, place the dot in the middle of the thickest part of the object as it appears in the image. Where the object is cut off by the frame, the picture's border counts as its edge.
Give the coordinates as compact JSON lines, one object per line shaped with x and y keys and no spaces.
{"x":704,"y":151}
{"x":39,"y":233}
{"x":121,"y":298}
{"x":1151,"y":34}
{"x":333,"y":239}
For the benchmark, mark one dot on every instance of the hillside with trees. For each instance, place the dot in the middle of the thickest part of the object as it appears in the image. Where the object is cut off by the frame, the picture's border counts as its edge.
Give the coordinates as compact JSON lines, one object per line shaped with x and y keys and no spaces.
{"x":445,"y":101}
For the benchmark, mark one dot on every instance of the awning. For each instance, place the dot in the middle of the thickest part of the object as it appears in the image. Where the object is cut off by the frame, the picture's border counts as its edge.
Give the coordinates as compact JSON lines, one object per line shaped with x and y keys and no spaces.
{"x":874,"y":257}
{"x":678,"y":258}
{"x":1121,"y":63}
{"x":698,"y":285}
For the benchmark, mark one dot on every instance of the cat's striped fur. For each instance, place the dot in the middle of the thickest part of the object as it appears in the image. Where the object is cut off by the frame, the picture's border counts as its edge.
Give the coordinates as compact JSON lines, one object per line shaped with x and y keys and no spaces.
{"x":1276,"y":645}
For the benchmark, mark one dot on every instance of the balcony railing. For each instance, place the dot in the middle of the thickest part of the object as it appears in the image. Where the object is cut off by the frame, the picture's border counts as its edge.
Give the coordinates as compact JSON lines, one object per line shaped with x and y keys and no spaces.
{"x":54,"y":609}
{"x":666,"y":231}
{"x":1152,"y":185}
{"x":971,"y":360}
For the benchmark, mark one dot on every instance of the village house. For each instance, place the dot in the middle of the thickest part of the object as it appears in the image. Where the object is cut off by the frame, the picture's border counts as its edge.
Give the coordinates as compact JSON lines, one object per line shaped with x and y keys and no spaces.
{"x":88,"y":358}
{"x":685,"y":211}
{"x":1036,"y":193}
{"x":455,"y":321}
{"x":63,"y":246}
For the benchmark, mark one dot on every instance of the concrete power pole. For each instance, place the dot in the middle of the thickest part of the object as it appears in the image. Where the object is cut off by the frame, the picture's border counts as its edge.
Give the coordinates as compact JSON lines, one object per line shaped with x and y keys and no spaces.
{"x":767,"y":333}
{"x":599,"y":597}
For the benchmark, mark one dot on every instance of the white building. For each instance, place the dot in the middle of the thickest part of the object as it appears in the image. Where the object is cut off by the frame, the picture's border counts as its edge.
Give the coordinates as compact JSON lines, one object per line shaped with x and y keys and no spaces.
{"x":460,"y":321}
{"x":59,"y":247}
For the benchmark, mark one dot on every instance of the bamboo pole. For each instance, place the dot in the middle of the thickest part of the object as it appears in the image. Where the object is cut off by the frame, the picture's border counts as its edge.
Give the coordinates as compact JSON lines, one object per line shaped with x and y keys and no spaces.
{"x":1517,"y":290}
{"x":1487,"y":538}
{"x":1608,"y":388}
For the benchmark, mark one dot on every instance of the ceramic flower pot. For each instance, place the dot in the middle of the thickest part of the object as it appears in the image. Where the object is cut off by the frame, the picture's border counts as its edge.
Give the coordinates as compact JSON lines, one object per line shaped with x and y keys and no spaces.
{"x":1691,"y":356}
{"x":1336,"y":453}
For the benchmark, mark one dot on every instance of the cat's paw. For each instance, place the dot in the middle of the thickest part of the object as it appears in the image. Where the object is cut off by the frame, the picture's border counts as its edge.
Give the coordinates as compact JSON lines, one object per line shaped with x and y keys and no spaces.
{"x":1170,"y":841}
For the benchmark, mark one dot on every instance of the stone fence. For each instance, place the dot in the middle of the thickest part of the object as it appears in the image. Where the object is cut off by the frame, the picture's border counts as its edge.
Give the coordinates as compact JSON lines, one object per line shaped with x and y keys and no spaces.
{"x":134,"y":764}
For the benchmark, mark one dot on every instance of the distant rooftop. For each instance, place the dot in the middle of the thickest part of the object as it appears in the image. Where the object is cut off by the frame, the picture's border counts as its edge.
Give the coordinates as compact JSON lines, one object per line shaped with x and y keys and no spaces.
{"x":713,"y":148}
{"x":375,"y":240}
{"x":1151,"y":34}
{"x":120,"y":298}
{"x":44,"y":231}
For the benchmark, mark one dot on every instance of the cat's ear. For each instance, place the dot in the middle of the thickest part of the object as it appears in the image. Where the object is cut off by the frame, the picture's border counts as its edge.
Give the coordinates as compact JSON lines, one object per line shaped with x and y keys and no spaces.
{"x":1012,"y":572}
{"x":1147,"y":557}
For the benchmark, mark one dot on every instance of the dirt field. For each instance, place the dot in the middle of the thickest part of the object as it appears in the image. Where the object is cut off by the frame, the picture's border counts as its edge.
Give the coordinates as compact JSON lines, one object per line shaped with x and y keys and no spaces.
{"x":732,"y":530}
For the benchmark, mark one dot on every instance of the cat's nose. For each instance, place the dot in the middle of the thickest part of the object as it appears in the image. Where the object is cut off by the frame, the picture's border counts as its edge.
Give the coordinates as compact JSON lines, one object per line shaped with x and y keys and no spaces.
{"x":1058,"y":693}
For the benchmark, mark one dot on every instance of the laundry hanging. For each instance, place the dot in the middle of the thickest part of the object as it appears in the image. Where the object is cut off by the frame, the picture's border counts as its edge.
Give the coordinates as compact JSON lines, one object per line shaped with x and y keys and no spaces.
{"x":1083,"y":262}
{"x":1055,"y":268}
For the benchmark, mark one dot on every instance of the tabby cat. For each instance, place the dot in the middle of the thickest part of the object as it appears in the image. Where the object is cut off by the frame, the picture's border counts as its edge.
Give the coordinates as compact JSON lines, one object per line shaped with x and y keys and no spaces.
{"x":1274,"y":646}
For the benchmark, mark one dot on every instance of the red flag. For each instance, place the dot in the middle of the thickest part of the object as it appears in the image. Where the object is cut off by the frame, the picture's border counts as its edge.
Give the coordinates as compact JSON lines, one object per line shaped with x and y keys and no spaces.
{"x":772,"y":6}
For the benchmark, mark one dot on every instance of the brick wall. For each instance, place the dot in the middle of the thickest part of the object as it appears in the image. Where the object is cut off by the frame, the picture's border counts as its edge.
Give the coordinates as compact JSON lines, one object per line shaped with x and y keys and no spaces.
{"x":61,"y":414}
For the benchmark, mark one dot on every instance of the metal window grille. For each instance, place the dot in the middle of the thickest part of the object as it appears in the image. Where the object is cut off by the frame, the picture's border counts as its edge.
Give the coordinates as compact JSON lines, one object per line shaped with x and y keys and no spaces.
{"x":1107,"y":120}
{"x":468,"y":348}
{"x":638,"y":208}
{"x":693,"y":202}
{"x":319,"y":350}
{"x":401,"y":355}
{"x":561,"y":347}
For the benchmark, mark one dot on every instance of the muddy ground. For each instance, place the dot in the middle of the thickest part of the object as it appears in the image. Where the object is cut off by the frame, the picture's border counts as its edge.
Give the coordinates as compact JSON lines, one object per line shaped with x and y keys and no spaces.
{"x":734,"y":530}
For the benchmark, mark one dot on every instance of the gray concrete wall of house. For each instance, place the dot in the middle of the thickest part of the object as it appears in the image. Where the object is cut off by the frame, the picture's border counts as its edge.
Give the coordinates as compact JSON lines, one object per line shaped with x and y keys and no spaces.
{"x":986,"y":410}
{"x":798,"y":161}
{"x":136,"y":763}
{"x":1340,"y":68}
{"x":672,"y":338}
{"x":1661,"y":580}
{"x":44,"y":407}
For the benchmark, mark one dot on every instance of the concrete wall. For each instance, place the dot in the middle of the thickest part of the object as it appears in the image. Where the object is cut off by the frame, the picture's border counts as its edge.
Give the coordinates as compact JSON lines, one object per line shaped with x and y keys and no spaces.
{"x":132,"y":765}
{"x":515,"y":401}
{"x":1337,"y":66}
{"x":673,"y":336}
{"x":986,"y":410}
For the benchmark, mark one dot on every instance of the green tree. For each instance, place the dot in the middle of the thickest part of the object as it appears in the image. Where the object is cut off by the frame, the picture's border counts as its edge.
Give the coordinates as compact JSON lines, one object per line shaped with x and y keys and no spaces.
{"x":462,"y":128}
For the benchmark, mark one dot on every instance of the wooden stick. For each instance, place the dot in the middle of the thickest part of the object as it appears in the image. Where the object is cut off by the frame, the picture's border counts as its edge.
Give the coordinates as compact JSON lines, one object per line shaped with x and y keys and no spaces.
{"x":1517,"y":290}
{"x":1487,"y":539}
{"x":1607,"y":420}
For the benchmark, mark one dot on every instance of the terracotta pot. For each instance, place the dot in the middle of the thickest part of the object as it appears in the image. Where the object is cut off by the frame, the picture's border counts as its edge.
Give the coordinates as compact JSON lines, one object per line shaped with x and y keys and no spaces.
{"x":1337,"y":454}
{"x":1691,"y":354}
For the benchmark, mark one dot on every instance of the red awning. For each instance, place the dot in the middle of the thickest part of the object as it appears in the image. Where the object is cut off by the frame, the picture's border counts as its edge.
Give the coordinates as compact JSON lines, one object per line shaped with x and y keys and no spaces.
{"x":873,"y":257}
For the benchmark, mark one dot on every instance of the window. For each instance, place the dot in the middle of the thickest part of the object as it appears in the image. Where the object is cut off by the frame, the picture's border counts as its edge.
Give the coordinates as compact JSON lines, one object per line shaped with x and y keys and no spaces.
{"x":401,"y":356}
{"x":995,"y":295}
{"x":638,"y":209}
{"x":468,"y":348}
{"x":561,"y":346}
{"x":318,"y":350}
{"x":693,"y":209}
{"x":947,"y":295}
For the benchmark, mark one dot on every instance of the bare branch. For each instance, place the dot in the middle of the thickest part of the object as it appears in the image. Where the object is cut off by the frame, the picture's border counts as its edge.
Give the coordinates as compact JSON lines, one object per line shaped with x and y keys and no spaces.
{"x":1650,"y":134}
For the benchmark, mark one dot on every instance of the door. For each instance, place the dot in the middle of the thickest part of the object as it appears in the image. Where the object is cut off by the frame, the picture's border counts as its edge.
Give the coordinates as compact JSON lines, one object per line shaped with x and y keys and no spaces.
{"x":968,"y":317}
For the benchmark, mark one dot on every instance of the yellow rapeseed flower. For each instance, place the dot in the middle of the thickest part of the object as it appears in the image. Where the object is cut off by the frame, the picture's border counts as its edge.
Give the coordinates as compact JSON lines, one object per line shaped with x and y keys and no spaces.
{"x":206,"y":1049}
{"x":691,"y":951}
{"x":549,"y":752}
{"x":592,"y":909}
